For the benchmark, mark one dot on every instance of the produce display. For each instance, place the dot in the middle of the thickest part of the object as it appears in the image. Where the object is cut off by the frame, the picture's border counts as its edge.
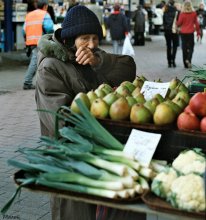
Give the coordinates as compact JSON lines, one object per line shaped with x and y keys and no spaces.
{"x":182,"y":183}
{"x":194,"y":115}
{"x":126,"y":102}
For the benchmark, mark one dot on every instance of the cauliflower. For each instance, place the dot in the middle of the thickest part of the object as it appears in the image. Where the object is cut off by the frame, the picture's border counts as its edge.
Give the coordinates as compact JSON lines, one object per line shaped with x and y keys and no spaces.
{"x":188,"y":193}
{"x":162,"y":182}
{"x":190,"y":161}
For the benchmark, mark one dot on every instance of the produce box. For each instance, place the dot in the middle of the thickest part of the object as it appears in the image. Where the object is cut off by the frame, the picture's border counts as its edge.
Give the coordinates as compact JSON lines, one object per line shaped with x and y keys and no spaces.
{"x":171,"y":143}
{"x":196,"y":86}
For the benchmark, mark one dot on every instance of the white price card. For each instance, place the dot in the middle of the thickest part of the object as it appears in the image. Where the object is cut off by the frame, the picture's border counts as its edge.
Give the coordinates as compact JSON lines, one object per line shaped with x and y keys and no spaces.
{"x":150,"y":89}
{"x":141,"y":145}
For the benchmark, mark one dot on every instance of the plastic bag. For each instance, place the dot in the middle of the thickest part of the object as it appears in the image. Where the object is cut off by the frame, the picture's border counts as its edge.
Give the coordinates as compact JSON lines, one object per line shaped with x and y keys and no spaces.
{"x":127,"y":47}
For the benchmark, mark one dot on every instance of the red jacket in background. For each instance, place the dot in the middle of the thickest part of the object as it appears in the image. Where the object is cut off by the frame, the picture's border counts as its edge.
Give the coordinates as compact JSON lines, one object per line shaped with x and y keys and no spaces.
{"x":188,"y":23}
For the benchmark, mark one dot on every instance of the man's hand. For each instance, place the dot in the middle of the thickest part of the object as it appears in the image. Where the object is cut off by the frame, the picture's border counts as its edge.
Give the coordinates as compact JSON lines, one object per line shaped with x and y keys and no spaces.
{"x":85,"y":55}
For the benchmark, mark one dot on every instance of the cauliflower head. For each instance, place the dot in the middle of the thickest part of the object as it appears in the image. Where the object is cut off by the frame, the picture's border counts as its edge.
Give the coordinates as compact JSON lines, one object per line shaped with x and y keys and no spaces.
{"x":189,"y":162}
{"x":188,"y":193}
{"x":162,"y":182}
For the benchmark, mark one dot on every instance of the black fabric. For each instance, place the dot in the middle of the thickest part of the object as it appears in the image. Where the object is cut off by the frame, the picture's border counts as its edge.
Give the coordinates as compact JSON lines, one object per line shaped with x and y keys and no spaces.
{"x":139,"y":39}
{"x":187,"y":47}
{"x":168,"y":17}
{"x":139,"y":19}
{"x":80,"y":20}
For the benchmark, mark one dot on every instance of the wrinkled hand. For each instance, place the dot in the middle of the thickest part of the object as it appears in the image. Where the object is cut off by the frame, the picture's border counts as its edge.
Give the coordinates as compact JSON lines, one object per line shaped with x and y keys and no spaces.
{"x":85,"y":55}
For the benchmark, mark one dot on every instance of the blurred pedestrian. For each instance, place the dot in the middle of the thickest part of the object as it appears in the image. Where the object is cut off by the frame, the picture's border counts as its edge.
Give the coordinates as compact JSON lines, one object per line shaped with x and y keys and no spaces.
{"x":139,"y":26}
{"x":171,"y":36}
{"x":37,"y":23}
{"x":118,"y":27}
{"x":188,"y":24}
{"x":201,"y":15}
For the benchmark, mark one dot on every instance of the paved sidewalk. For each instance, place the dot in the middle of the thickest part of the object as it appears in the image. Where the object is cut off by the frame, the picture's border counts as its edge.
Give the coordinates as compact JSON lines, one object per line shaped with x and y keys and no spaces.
{"x":19,"y":124}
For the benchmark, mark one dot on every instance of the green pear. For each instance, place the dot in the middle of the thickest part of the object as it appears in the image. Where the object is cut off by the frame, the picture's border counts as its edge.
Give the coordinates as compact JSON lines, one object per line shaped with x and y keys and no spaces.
{"x":140,"y":98}
{"x":176,"y":108}
{"x":110,"y":98}
{"x":140,"y":114}
{"x":143,"y":78}
{"x":159,"y":97}
{"x":131,"y":100}
{"x":164,"y":115}
{"x":171,"y":93}
{"x":92,"y":96}
{"x":174,"y":83}
{"x":100,"y":93}
{"x":179,"y":101}
{"x":138,"y":82}
{"x":123,"y":90}
{"x":149,"y":106}
{"x":99,"y":108}
{"x":120,"y":109}
{"x":183,"y":95}
{"x":182,"y":87}
{"x":129,"y":85}
{"x":136,"y":91}
{"x":84,"y":98}
{"x":106,"y":88}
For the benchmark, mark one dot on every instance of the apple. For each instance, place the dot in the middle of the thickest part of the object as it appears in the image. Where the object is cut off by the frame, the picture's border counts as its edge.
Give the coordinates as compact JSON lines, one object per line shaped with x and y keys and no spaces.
{"x":203,"y":124}
{"x":188,"y":109}
{"x":198,"y":104}
{"x":188,"y":121}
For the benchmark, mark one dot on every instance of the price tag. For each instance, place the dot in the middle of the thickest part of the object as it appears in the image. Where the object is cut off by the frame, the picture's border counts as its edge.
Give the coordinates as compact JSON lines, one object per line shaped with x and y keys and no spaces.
{"x":142,"y":145}
{"x":150,"y":89}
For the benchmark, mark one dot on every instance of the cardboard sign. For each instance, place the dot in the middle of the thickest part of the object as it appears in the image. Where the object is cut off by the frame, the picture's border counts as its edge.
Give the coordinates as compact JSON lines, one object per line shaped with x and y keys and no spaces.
{"x":150,"y":89}
{"x":142,"y":145}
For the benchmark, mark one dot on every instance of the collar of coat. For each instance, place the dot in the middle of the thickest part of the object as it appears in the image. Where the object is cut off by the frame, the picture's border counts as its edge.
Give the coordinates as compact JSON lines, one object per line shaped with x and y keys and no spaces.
{"x":51,"y":45}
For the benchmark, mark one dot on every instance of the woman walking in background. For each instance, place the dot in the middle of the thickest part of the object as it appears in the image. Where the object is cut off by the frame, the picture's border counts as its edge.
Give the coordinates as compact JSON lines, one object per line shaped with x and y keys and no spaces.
{"x":171,"y":36}
{"x":188,"y":24}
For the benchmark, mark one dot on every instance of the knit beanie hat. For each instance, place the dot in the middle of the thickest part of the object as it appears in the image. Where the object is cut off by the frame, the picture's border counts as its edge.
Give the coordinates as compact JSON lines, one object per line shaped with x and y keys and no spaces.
{"x":79,"y":20}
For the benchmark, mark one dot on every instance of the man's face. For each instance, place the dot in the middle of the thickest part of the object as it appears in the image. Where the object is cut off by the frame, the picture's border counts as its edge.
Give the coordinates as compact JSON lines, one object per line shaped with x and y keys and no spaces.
{"x":88,"y":40}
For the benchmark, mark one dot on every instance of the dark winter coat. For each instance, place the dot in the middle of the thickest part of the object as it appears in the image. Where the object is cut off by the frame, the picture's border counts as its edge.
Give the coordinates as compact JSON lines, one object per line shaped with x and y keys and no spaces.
{"x":60,"y":78}
{"x":117,"y":24}
{"x":139,"y":20}
{"x":168,"y":17}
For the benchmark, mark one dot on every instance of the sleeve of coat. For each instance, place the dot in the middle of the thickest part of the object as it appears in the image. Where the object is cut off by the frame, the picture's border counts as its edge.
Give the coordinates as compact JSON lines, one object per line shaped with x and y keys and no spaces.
{"x":116,"y":68}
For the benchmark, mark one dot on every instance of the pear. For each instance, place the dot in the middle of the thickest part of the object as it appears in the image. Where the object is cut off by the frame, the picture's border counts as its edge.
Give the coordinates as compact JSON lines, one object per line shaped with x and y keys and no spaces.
{"x":123,"y":90}
{"x":106,"y":88}
{"x":136,"y":91}
{"x":120,"y":109}
{"x":149,"y":106}
{"x":129,"y":85}
{"x":143,"y":78}
{"x":99,"y":108}
{"x":84,"y":98}
{"x":92,"y":96}
{"x":140,"y":114}
{"x":110,"y":98}
{"x":164,"y":115}
{"x":100,"y":93}
{"x":182,"y":87}
{"x":180,"y":102}
{"x":140,"y":98}
{"x":131,"y":100}
{"x":138,"y":82}
{"x":176,"y":108}
{"x":159,"y":97}
{"x":171,"y":93}
{"x":183,"y":95}
{"x":174,"y":83}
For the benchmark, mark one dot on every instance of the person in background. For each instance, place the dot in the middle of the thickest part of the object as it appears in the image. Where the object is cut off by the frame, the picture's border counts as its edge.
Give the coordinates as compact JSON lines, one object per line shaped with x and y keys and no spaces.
{"x":31,"y":4}
{"x":70,"y":61}
{"x":139,"y":26}
{"x":188,"y":23}
{"x":201,"y":15}
{"x":37,"y":23}
{"x":157,"y":20}
{"x":72,"y":3}
{"x":50,"y":10}
{"x":172,"y":39}
{"x":118,"y":27}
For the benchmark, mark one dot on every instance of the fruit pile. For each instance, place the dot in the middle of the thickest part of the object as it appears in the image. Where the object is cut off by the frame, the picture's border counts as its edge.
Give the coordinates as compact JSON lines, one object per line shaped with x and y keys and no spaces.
{"x":126,"y":102}
{"x":194,"y":115}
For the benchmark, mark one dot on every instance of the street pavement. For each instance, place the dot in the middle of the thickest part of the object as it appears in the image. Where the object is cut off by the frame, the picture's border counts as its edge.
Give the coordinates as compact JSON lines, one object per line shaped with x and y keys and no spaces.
{"x":19,"y":125}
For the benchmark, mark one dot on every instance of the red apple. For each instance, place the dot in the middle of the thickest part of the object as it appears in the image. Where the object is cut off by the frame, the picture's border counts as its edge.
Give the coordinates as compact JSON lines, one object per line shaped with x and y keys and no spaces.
{"x":188,"y":109}
{"x":188,"y":121}
{"x":198,"y":104}
{"x":203,"y":124}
